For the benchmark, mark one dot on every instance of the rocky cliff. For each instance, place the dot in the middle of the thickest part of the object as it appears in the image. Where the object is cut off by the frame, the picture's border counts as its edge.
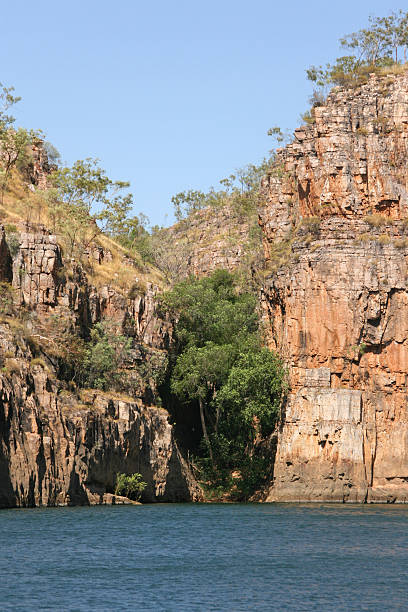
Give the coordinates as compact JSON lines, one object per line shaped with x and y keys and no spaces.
{"x":335,"y":226}
{"x":60,"y":445}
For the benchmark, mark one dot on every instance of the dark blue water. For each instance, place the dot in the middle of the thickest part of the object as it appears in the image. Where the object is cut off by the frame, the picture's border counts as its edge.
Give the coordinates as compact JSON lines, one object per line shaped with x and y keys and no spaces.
{"x":205,"y":557}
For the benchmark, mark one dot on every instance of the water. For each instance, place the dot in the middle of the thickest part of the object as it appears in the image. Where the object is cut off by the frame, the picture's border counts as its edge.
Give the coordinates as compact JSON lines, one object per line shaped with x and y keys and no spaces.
{"x":205,"y":557}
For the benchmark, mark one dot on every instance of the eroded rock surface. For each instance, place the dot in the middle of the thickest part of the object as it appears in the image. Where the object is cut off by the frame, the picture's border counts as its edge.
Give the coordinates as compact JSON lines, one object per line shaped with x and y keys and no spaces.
{"x":336,"y":300}
{"x":59,"y":447}
{"x":54,"y":451}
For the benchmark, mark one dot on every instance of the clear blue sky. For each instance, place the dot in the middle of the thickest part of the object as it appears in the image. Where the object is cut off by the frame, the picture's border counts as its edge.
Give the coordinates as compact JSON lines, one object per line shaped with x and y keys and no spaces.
{"x":169,"y":95}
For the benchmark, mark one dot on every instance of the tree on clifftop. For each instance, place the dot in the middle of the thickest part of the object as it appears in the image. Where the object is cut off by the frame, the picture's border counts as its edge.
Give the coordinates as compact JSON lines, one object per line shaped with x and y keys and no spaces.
{"x":372,"y":48}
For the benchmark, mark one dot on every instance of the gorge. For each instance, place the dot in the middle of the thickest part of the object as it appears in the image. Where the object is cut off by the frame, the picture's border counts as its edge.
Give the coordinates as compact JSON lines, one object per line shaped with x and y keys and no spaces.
{"x":333,"y":289}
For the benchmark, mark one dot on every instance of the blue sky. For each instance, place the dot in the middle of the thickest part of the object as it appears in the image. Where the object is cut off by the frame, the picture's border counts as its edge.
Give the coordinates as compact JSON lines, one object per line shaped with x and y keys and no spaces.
{"x":169,"y":95}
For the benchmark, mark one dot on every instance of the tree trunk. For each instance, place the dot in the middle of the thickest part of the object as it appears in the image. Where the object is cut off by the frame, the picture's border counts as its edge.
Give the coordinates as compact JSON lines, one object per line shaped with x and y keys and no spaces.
{"x":205,"y":434}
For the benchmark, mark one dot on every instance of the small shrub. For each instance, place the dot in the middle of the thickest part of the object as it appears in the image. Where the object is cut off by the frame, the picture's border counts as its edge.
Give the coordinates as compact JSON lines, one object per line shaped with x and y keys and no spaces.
{"x":131,"y":486}
{"x":362,"y":131}
{"x":6,"y":299}
{"x":13,"y":240}
{"x":12,"y":367}
{"x":137,"y":288}
{"x":312,"y":224}
{"x":104,"y":357}
{"x":38,"y":362}
{"x":366,"y":237}
{"x":401,"y":243}
{"x":317,"y":99}
{"x":33,"y":344}
{"x":376,"y":220}
{"x":384,"y":239}
{"x":308,"y":118}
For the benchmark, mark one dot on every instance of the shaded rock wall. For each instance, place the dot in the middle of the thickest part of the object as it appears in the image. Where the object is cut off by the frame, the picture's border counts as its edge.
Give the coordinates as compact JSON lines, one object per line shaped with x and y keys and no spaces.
{"x":55,"y":447}
{"x":55,"y":453}
{"x":337,"y":306}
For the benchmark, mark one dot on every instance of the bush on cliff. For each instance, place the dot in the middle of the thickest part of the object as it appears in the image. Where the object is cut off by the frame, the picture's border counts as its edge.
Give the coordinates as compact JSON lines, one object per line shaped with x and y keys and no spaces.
{"x":131,"y":486}
{"x":105,"y":355}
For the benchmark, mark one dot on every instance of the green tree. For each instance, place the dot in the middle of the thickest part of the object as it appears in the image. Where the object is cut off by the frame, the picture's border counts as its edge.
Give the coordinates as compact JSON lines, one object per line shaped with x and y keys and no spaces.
{"x":83,"y":195}
{"x":198,"y":374}
{"x":7,"y":100}
{"x":251,"y":397}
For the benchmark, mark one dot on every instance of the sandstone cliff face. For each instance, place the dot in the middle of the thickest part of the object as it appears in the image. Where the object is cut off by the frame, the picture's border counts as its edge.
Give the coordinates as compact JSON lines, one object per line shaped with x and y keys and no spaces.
{"x":214,"y":238}
{"x":58,"y":447}
{"x":56,"y":452}
{"x":336,"y":301}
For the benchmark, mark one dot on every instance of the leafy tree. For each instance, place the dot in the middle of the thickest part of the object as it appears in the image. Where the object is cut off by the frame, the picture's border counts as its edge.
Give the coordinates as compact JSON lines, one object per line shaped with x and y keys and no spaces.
{"x":14,"y":147}
{"x":53,"y":155}
{"x":251,"y":397}
{"x":240,"y":190}
{"x":7,"y":100}
{"x":83,"y":195}
{"x":105,"y":355}
{"x":6,"y":299}
{"x":211,"y":309}
{"x":198,"y":374}
{"x":14,"y":143}
{"x":169,"y":255}
{"x":84,"y":185}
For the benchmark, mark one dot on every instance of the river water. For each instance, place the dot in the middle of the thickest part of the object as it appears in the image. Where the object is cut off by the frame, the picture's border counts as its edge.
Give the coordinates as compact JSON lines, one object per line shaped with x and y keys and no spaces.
{"x":198,"y":557}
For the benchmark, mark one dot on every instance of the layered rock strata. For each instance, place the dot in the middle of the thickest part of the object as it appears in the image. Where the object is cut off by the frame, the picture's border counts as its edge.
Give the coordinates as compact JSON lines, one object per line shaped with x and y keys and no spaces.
{"x":57,"y":447}
{"x":55,"y":451}
{"x":214,"y":238}
{"x":336,"y":298}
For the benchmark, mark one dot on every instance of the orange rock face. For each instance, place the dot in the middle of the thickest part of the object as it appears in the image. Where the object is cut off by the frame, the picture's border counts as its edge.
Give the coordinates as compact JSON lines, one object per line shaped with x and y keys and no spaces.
{"x":336,"y":302}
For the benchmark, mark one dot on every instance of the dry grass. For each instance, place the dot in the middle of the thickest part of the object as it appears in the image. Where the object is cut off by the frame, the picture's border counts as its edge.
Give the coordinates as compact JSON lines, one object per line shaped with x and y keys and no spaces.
{"x":401,"y":243}
{"x":22,"y":207}
{"x":364,"y":238}
{"x":384,"y":239}
{"x":394,"y":70}
{"x":377,"y":220}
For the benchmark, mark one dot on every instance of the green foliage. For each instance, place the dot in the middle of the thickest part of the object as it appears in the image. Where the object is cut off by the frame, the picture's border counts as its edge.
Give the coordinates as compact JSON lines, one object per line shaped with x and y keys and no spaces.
{"x":251,"y":396}
{"x":53,"y":155}
{"x":105,"y":355}
{"x":372,"y":48}
{"x":14,"y":149}
{"x":7,"y":100}
{"x":13,"y":239}
{"x":84,"y":185}
{"x":6,"y":299}
{"x":221,"y":370}
{"x":83,"y":201}
{"x":239,"y":190}
{"x":14,"y":142}
{"x":211,"y":309}
{"x":131,"y":486}
{"x":308,"y":117}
